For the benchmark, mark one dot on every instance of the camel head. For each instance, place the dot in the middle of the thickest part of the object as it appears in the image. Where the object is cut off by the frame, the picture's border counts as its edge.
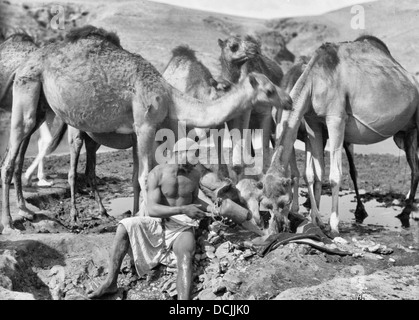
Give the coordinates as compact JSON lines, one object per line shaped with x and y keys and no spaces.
{"x":265,"y":93}
{"x":277,"y":198}
{"x":236,"y":50}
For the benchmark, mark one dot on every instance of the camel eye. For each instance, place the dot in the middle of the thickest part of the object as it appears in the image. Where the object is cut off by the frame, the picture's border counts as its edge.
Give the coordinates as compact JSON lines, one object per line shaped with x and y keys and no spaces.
{"x":234,"y":47}
{"x":270,"y":93}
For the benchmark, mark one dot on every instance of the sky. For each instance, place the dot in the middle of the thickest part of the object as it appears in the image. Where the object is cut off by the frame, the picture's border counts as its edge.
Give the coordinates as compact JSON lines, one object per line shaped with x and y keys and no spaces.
{"x":265,"y":9}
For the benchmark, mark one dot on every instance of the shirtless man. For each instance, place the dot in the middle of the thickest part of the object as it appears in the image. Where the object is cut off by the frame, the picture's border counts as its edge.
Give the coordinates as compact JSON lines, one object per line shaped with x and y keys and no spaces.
{"x":172,"y":201}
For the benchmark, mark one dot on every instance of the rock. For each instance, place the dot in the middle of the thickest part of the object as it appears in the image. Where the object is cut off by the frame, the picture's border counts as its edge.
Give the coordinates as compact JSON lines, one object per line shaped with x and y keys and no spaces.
{"x":216,"y":239}
{"x":237,"y":252}
{"x":391,"y":260}
{"x":6,"y":282}
{"x":248,"y":253}
{"x":6,"y":294}
{"x":207,"y":294}
{"x":232,"y":280}
{"x":373,"y":248}
{"x":357,"y":255}
{"x":210,"y":255}
{"x":218,"y":287}
{"x":223,"y":249}
{"x":197,"y":257}
{"x":340,"y":240}
{"x":396,"y":202}
{"x":209,"y":248}
{"x":56,"y":283}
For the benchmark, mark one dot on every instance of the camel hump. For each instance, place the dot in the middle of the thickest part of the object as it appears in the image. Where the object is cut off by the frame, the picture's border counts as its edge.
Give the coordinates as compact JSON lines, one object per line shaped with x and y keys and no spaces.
{"x":88,"y":31}
{"x":378,"y":43}
{"x":327,"y":57}
{"x":184,"y":51}
{"x":20,"y":37}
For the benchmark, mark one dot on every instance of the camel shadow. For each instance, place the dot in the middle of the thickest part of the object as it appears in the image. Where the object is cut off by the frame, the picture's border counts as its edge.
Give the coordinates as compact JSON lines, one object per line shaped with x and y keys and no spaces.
{"x":32,"y":255}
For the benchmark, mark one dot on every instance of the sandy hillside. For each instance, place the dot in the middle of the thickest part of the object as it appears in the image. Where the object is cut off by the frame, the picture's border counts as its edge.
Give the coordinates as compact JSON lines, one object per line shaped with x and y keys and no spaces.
{"x":153,"y":29}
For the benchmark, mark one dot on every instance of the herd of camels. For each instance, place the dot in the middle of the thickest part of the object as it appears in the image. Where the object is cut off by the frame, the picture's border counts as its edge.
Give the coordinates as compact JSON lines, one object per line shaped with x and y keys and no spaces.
{"x":351,"y":92}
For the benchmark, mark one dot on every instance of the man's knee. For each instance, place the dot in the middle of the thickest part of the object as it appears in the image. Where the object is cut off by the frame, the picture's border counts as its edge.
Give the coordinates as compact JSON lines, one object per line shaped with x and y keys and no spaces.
{"x":184,"y":247}
{"x":121,"y":232}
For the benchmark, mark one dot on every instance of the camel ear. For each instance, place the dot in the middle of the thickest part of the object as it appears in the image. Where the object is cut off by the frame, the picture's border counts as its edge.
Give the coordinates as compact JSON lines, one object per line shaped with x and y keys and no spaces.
{"x":253,"y":81}
{"x":221,"y":43}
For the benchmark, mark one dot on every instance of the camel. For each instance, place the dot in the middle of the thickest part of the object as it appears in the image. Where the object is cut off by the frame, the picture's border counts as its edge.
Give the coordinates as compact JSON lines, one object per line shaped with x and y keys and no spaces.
{"x":13,"y":51}
{"x":96,"y":86}
{"x":362,"y":95}
{"x":190,"y":76}
{"x":288,"y":83}
{"x":235,"y":52}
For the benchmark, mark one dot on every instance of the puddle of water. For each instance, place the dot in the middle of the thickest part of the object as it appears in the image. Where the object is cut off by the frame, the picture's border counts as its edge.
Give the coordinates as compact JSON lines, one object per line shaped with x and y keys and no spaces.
{"x":118,"y":206}
{"x":377,"y":214}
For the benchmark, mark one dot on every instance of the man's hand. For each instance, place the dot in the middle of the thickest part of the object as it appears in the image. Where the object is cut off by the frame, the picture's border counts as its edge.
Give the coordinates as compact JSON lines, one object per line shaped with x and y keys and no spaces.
{"x":193,"y":211}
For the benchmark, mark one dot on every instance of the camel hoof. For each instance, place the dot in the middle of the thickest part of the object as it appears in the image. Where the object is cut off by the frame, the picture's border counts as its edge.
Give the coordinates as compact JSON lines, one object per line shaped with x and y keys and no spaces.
{"x":360,"y":214}
{"x":44,"y":183}
{"x":106,"y":217}
{"x":27,"y":214}
{"x":404,"y":219}
{"x":10,"y":231}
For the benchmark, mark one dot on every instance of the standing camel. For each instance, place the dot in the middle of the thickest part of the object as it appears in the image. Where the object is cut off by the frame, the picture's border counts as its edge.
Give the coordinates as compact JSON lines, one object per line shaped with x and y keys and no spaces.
{"x":96,"y":86}
{"x":288,"y":82}
{"x":190,"y":76}
{"x":235,"y":52}
{"x":362,"y":95}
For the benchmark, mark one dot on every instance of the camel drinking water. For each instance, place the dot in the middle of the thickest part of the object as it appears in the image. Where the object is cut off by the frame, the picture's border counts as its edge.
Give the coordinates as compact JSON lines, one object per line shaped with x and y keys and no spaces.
{"x":362,"y":95}
{"x":96,"y":86}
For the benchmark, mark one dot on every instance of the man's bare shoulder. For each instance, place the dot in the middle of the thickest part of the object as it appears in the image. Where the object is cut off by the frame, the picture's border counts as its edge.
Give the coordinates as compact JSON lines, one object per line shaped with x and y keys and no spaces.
{"x":156,"y":172}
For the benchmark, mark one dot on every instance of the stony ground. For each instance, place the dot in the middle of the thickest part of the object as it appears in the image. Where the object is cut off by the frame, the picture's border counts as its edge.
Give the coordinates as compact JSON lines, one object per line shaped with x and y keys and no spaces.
{"x":53,"y":260}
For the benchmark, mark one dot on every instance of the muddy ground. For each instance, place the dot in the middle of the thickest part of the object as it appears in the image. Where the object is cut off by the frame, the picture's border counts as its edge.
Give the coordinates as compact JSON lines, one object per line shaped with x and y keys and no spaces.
{"x":53,"y":260}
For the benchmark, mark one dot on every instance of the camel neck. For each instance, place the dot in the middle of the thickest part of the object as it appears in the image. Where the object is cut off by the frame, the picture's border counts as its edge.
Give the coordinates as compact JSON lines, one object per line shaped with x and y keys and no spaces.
{"x":197,"y":113}
{"x":300,"y":95}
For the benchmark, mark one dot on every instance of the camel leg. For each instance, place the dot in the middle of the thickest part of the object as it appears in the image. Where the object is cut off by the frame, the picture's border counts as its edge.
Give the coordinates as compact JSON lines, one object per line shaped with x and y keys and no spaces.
{"x":295,"y":176}
{"x":75,"y":141}
{"x":145,"y":141}
{"x":266,"y":123}
{"x":222,"y":164}
{"x":360,"y":212}
{"x":410,"y":145}
{"x":314,"y":170}
{"x":43,"y":144}
{"x":241,"y":148}
{"x":336,"y":129}
{"x":23,"y":211}
{"x":135,"y":177}
{"x":90,"y":172}
{"x":23,"y":121}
